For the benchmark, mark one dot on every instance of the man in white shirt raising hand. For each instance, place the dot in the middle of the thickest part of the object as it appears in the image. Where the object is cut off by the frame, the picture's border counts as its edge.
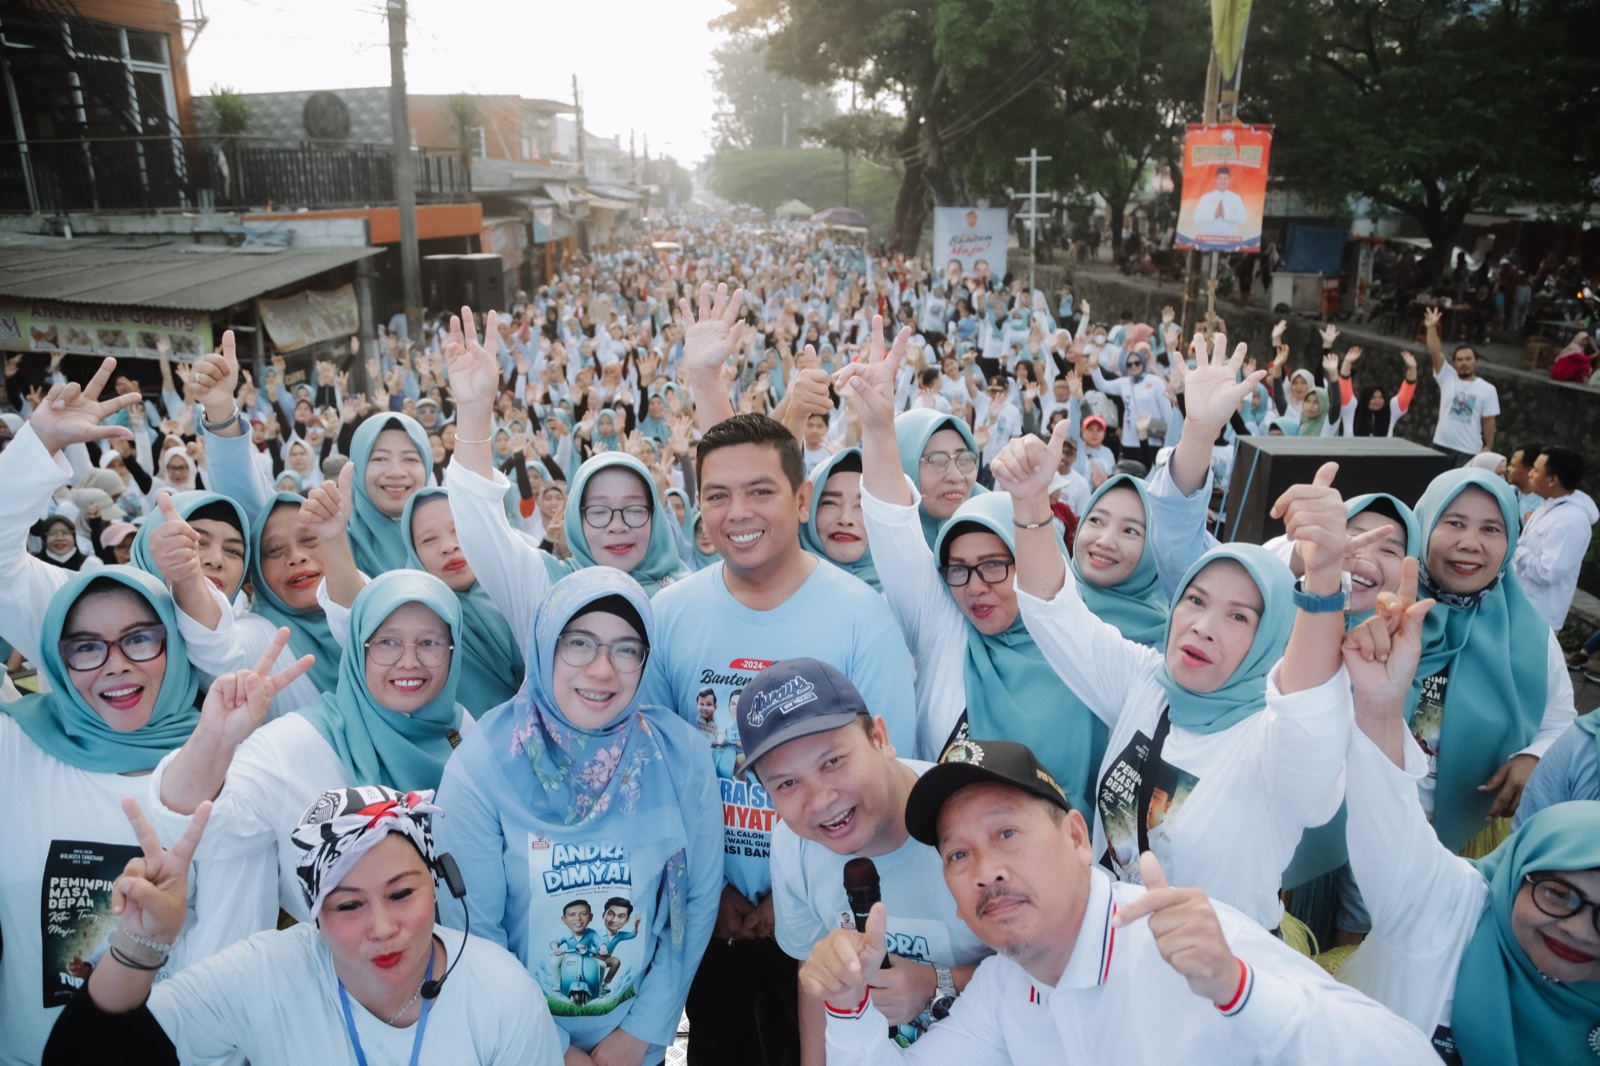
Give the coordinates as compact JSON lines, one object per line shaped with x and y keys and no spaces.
{"x":1089,"y":971}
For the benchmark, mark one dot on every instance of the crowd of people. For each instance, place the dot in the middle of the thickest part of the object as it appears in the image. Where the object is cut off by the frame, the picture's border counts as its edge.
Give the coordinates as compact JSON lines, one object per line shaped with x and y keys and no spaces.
{"x":833,"y":651}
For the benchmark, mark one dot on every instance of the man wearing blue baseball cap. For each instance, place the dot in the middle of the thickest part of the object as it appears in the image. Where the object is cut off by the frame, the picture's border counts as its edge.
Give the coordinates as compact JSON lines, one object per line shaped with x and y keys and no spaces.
{"x":1088,"y":970}
{"x":840,"y":792}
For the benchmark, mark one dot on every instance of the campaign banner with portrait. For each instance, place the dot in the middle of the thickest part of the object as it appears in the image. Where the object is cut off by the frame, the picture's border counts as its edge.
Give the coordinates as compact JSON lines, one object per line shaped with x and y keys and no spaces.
{"x":970,"y":235}
{"x":1224,"y":187}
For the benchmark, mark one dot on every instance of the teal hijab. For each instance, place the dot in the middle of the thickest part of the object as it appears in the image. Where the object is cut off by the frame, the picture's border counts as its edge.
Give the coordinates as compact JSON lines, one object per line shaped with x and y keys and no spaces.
{"x":701,"y":559}
{"x":1312,"y":427}
{"x":1409,"y":525}
{"x":1245,"y":692}
{"x":912,"y":429}
{"x":811,"y":539}
{"x":186,"y":504}
{"x":379,"y":542}
{"x":1135,"y":605}
{"x":491,"y":665}
{"x":61,"y":721}
{"x":573,"y":776}
{"x":1012,"y":692}
{"x":376,"y":745}
{"x":1494,"y":645}
{"x":661,"y":565}
{"x":309,"y":632}
{"x":1505,"y":1011}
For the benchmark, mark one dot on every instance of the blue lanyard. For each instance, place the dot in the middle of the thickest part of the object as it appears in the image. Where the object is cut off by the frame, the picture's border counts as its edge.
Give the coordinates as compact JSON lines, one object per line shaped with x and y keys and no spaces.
{"x":422,"y":1023}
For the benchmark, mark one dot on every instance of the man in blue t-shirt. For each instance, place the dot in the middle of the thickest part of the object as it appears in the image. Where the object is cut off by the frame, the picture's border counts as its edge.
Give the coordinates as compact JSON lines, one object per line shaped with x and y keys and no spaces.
{"x":766,"y":600}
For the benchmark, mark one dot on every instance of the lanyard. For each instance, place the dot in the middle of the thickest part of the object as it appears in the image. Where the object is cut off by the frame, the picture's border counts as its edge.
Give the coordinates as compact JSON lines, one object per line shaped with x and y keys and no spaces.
{"x":1147,"y":781}
{"x":422,"y":1023}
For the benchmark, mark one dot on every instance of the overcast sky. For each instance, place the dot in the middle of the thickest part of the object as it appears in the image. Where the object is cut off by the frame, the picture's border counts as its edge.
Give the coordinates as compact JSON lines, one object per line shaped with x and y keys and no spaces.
{"x":642,"y":65}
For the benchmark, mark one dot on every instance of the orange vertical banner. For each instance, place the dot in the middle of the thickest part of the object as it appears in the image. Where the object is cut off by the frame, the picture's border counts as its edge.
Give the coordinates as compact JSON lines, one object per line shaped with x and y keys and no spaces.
{"x":1224,"y":187}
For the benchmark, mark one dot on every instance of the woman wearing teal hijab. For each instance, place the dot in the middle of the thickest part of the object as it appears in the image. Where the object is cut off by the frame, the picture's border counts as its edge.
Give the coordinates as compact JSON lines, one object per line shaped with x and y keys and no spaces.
{"x":285,"y":569}
{"x":575,"y":777}
{"x":392,"y":720}
{"x":700,"y":548}
{"x":491,"y":667}
{"x":834,"y":530}
{"x":940,"y":455}
{"x":1115,"y":563}
{"x":222,"y":527}
{"x":1492,"y":692}
{"x":393,"y":459}
{"x":1498,"y":959}
{"x":1193,"y":770}
{"x":615,"y":518}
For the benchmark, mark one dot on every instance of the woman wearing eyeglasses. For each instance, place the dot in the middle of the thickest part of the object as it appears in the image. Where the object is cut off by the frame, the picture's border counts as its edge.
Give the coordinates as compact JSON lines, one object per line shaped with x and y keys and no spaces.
{"x":1498,"y":959}
{"x":392,"y":720}
{"x":940,"y":455}
{"x":588,"y":827}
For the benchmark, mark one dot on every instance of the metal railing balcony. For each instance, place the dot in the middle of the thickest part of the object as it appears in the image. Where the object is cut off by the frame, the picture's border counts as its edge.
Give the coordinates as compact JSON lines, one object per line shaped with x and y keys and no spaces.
{"x":131,"y":174}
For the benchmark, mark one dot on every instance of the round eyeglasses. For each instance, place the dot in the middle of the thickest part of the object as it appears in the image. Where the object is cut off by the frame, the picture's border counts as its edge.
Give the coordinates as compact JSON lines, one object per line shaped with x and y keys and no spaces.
{"x":431,"y":652}
{"x":579,"y":649}
{"x":1558,"y":899}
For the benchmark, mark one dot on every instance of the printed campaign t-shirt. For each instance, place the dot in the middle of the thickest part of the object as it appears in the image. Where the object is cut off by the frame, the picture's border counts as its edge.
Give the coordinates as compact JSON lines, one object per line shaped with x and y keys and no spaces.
{"x":66,"y":843}
{"x":1141,"y":784}
{"x":1426,"y":726}
{"x":809,"y":901}
{"x":710,"y":647}
{"x":1462,"y":407}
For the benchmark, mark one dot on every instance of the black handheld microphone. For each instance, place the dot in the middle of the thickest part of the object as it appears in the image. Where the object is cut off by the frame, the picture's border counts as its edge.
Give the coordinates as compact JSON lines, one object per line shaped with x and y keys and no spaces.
{"x":446,"y":868}
{"x":861,"y":888}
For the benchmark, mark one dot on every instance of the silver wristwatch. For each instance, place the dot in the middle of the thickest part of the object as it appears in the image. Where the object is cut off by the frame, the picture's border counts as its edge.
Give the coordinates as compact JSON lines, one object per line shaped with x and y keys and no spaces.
{"x":944,"y":995}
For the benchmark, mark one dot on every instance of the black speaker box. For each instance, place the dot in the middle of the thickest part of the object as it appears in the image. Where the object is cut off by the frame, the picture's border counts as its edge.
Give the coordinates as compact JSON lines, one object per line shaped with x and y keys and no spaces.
{"x":441,"y":282}
{"x":483,"y":282}
{"x":1265,"y":466}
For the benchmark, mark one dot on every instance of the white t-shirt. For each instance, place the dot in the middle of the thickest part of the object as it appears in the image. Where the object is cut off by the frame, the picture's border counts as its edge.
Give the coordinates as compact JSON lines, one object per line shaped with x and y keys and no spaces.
{"x":65,"y":843}
{"x":1119,"y":1003}
{"x":1463,"y":405}
{"x":1238,"y":800}
{"x":276,"y":998}
{"x":809,"y":900}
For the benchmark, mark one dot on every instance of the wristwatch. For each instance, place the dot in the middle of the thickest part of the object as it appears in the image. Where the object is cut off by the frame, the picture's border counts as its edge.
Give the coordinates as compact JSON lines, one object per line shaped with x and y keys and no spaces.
{"x":1334,"y":601}
{"x":944,"y":995}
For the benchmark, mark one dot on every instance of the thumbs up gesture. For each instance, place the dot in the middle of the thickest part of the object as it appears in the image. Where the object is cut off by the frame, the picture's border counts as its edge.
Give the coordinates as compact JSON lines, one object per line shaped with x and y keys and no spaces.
{"x":174,"y":545}
{"x":1187,"y":933}
{"x":837,"y":969}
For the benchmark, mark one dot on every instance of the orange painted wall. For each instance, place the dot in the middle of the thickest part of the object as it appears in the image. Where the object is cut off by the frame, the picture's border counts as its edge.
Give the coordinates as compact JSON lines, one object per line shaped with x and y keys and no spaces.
{"x":432,"y":125}
{"x":161,"y":16}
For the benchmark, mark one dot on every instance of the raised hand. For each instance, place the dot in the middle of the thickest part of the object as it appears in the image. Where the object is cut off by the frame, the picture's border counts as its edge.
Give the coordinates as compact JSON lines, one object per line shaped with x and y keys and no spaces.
{"x":1330,"y":367}
{"x":869,"y":383}
{"x":716,"y":332}
{"x":174,"y":545}
{"x":1382,"y":653}
{"x":70,"y":414}
{"x":1352,"y":354}
{"x":1410,"y":361}
{"x":474,"y":371}
{"x":1314,"y":519}
{"x":1187,"y":934}
{"x":1214,"y":389}
{"x":1026,"y":465}
{"x":151,"y":894}
{"x":808,"y":395}
{"x":237,"y":703}
{"x":837,"y":968}
{"x":216,"y":379}
{"x":1431,"y":318}
{"x":1329,"y":334}
{"x":326,"y":510}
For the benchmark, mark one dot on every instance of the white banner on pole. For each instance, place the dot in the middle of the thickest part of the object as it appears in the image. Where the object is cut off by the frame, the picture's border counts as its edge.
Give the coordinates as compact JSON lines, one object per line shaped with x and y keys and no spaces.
{"x":971,"y":235}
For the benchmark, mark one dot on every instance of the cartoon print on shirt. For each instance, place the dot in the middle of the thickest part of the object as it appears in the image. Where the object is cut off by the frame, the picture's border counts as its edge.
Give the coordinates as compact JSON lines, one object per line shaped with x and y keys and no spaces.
{"x":582,"y":907}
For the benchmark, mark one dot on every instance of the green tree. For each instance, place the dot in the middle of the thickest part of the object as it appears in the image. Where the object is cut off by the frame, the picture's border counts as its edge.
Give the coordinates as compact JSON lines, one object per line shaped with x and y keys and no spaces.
{"x":754,"y":103}
{"x":1431,"y":108}
{"x":230,"y":109}
{"x":464,"y":123}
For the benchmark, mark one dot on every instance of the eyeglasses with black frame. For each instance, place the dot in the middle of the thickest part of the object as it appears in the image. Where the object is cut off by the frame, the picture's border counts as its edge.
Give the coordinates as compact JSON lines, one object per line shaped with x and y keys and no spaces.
{"x":386,"y":651}
{"x":990,"y":572}
{"x":579,"y":649}
{"x":966,"y":461}
{"x":598,"y":516}
{"x":90,"y":653}
{"x":1556,"y":898}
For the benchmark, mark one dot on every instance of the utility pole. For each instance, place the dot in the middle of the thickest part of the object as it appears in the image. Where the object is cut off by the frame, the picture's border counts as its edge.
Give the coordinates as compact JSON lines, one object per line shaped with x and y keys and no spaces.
{"x":577,"y":106}
{"x":1033,"y":196}
{"x":1218,"y":105}
{"x":405,"y":179}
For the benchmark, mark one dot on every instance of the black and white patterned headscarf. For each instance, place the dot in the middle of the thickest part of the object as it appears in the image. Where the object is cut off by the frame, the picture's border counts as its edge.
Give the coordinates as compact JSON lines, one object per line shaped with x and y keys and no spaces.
{"x":346,"y":823}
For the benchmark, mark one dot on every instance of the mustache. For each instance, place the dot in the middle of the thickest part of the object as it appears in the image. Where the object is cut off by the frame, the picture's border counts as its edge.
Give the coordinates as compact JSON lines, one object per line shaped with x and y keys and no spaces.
{"x":997,"y":893}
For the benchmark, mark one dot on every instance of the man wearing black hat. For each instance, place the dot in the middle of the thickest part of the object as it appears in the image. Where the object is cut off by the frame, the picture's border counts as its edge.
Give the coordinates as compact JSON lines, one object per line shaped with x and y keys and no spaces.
{"x":840,"y":792}
{"x":1089,"y":971}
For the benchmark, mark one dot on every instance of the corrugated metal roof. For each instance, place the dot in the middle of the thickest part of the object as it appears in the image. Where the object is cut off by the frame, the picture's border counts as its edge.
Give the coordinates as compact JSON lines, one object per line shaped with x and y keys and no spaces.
{"x":155,"y":271}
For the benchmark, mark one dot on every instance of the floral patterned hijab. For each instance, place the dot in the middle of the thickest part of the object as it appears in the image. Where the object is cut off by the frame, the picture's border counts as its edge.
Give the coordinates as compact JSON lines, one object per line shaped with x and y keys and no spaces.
{"x":616,"y":774}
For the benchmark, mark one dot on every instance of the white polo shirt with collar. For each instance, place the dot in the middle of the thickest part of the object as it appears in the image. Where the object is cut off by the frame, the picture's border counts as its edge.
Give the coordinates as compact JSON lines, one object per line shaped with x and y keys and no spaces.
{"x":1119,"y":1002}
